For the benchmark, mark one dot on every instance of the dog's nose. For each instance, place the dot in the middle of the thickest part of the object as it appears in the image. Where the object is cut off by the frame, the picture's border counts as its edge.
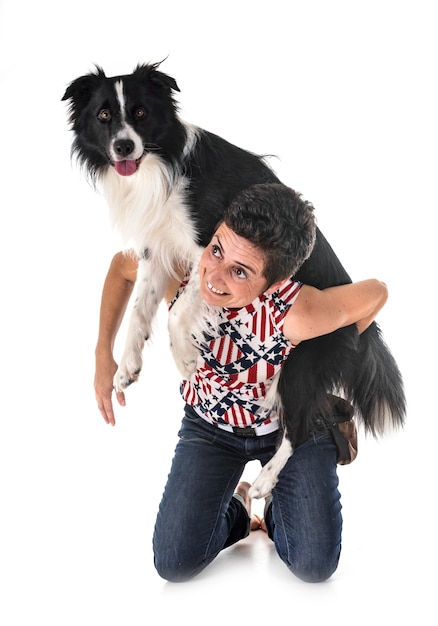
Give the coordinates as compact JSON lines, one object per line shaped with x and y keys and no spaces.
{"x":124,"y":147}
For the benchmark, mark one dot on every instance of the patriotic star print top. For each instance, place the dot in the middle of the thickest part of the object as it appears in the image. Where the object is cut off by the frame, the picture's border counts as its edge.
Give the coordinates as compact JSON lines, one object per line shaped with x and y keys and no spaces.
{"x":238,"y":361}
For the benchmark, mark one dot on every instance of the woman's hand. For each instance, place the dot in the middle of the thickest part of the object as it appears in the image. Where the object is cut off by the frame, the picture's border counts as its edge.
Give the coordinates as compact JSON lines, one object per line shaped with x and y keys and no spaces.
{"x":106,"y":367}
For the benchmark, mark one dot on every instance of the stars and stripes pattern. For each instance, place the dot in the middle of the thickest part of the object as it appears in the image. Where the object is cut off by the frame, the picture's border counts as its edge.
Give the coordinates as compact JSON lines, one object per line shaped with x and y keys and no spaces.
{"x":238,"y":361}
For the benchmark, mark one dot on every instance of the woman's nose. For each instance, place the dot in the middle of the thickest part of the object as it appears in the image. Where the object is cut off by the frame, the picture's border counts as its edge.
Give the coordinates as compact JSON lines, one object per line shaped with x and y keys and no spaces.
{"x":215,"y":276}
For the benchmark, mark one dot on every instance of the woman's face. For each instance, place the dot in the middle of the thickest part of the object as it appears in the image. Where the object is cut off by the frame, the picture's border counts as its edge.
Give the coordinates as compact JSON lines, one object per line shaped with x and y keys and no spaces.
{"x":231,"y":271}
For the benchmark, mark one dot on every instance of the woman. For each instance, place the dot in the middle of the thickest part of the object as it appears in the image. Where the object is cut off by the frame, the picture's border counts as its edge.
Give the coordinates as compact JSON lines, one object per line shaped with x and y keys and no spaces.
{"x":262,"y":315}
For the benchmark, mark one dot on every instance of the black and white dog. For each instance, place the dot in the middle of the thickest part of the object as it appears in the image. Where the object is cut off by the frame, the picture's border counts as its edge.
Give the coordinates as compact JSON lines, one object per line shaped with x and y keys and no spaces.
{"x":167,"y":183}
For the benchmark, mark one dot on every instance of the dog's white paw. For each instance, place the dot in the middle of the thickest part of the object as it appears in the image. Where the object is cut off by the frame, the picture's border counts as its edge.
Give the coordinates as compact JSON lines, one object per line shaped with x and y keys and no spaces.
{"x":185,"y":356}
{"x":128,"y":371}
{"x":268,"y":477}
{"x":264,"y":483}
{"x":186,"y":368}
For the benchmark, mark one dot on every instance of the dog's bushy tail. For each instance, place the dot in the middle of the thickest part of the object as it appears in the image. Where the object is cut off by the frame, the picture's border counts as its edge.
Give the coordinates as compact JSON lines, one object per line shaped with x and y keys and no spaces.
{"x":359,"y":368}
{"x":377,"y":388}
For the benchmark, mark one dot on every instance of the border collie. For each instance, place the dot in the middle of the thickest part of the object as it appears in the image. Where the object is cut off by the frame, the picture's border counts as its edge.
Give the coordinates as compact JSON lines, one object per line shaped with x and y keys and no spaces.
{"x":167,"y":183}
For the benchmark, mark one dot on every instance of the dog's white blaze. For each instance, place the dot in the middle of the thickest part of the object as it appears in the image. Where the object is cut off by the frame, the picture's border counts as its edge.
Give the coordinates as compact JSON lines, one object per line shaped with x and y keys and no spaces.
{"x":121,"y":98}
{"x":126,"y":131}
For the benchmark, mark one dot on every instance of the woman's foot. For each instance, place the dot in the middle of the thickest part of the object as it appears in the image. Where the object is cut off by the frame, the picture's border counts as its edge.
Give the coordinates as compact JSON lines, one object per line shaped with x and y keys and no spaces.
{"x":242,"y":489}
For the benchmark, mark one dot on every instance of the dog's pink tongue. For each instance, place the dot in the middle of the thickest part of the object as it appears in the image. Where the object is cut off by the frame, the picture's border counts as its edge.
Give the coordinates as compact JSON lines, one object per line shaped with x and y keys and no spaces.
{"x":125,"y":168}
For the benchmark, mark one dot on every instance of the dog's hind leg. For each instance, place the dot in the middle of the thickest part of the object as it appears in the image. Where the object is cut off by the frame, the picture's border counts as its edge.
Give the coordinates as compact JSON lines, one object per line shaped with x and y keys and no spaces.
{"x":268,"y":477}
{"x":189,"y":318}
{"x":152,"y":280}
{"x":184,"y":319}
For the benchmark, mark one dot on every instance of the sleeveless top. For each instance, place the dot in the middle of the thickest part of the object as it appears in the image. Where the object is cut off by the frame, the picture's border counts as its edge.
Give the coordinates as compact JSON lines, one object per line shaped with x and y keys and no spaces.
{"x":238,"y":361}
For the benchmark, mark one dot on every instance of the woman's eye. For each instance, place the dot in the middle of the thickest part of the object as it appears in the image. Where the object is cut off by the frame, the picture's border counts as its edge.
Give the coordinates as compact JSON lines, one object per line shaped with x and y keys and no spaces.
{"x":215,"y":250}
{"x":104,"y":115}
{"x":240,"y":273}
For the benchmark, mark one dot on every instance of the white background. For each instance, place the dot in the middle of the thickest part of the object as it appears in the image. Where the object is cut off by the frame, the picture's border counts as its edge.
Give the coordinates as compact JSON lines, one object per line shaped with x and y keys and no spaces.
{"x":344,"y":94}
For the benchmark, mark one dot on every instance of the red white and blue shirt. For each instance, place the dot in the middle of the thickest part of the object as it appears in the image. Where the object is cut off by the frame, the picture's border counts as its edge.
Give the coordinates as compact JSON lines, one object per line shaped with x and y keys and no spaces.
{"x":238,"y":361}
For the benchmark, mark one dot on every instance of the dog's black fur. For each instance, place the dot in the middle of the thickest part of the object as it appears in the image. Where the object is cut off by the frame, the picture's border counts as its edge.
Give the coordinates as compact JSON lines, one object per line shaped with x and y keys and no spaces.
{"x":361,"y":368}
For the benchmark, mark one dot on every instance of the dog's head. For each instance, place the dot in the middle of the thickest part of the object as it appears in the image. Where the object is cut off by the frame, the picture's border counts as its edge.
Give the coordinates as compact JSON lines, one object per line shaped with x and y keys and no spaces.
{"x":117,"y":121}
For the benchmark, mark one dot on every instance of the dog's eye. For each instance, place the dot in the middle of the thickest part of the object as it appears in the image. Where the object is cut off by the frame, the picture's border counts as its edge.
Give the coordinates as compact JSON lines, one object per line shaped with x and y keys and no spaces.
{"x":139,"y":113}
{"x":104,"y":115}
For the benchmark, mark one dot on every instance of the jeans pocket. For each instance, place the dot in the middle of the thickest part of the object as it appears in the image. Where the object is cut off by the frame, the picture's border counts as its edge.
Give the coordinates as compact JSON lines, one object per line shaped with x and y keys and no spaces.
{"x":195,"y":428}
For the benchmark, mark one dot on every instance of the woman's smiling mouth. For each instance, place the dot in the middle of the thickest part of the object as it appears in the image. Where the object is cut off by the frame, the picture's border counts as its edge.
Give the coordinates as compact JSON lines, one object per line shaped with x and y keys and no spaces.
{"x":214,"y":290}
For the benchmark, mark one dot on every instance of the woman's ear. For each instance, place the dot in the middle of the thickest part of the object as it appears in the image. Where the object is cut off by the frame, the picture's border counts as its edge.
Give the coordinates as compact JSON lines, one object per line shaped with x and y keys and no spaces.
{"x":276,"y":286}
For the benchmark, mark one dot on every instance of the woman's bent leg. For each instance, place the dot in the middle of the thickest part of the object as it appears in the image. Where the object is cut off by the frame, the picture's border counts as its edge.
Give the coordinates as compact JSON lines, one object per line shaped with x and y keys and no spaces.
{"x":198,"y":515}
{"x":304,"y":517}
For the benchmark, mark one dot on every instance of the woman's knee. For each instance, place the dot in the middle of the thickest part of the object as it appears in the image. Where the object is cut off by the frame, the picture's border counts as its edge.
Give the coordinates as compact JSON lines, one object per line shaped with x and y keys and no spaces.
{"x":317,"y":573}
{"x":312,"y":568}
{"x":177,"y":570}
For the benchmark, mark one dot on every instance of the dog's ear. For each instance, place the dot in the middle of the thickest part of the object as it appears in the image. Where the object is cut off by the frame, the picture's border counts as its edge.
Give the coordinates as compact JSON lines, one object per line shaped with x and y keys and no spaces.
{"x":81,"y":89}
{"x":149,"y":72}
{"x":164,"y":80}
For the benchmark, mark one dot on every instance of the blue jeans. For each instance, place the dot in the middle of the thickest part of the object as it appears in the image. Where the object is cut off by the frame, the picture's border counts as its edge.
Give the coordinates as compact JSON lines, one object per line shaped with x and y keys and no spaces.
{"x":198,"y":516}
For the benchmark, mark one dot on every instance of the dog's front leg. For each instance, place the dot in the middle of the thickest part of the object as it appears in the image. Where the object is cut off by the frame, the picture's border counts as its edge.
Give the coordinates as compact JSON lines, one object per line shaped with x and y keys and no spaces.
{"x":268,"y":477}
{"x":152,"y":281}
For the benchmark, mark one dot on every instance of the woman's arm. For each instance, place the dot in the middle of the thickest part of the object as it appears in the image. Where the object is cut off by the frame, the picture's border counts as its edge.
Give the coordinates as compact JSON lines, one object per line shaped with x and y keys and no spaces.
{"x":117,"y":290}
{"x":318,"y":312}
